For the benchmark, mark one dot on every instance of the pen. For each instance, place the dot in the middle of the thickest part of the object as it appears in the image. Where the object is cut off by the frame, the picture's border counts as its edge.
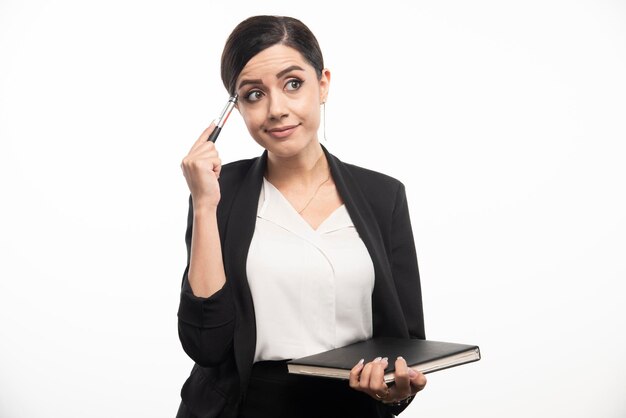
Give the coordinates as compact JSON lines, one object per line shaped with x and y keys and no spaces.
{"x":223,"y":117}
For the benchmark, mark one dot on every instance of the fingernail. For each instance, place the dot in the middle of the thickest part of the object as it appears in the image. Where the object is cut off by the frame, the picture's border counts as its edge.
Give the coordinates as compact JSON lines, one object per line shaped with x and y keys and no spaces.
{"x":385,"y":359}
{"x":400,"y":358}
{"x":360,"y":362}
{"x":412,"y":373}
{"x":377,"y":359}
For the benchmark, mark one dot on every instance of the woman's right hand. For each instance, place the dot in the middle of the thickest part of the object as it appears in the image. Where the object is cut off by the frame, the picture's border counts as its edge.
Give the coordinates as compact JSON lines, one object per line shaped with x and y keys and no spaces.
{"x":201,"y":168}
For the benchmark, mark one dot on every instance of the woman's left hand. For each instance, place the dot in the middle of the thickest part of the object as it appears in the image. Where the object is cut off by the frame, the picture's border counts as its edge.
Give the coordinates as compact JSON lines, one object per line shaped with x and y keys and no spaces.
{"x":369,"y":378}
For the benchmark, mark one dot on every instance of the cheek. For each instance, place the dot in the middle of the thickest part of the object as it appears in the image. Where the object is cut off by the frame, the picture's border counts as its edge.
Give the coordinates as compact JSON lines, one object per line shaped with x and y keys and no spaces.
{"x":252,"y":118}
{"x":309,"y":105}
{"x":307,"y":109}
{"x":313,"y":117}
{"x":254,"y":121}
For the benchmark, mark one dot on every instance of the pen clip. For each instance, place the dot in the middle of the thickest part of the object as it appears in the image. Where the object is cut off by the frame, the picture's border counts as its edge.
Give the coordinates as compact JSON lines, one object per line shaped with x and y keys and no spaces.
{"x":228,"y":108}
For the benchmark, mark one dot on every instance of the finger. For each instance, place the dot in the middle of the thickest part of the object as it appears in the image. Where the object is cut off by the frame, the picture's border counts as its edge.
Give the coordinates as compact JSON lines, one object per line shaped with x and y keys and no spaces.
{"x":204,"y":136}
{"x":206,"y":151}
{"x":204,"y":160}
{"x":355,"y":374}
{"x":364,"y":381}
{"x":198,"y":173}
{"x":417,"y":379}
{"x":377,"y":379}
{"x":217,"y":168}
{"x":402,"y":387}
{"x":201,"y":152}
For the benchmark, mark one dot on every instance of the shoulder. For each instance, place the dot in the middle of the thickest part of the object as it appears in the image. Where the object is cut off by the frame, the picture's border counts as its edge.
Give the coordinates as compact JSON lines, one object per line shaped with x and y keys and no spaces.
{"x":363,"y":187}
{"x":371,"y":181}
{"x":371,"y":176}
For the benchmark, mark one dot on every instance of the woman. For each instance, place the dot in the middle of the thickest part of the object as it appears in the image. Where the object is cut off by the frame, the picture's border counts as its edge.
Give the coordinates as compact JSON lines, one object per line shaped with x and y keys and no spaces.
{"x":291,"y":253}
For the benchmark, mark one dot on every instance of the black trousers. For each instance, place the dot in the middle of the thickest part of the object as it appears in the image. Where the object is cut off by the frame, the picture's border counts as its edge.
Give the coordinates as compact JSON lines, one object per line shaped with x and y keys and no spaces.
{"x":274,"y":393}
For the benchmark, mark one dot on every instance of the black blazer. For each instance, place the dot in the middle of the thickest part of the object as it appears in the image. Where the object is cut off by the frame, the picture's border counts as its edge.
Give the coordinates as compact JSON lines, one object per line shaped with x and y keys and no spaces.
{"x":219,"y":332}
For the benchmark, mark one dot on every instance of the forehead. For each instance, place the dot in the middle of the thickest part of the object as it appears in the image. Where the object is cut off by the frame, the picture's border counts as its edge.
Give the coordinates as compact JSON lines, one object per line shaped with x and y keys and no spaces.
{"x":272,"y":60}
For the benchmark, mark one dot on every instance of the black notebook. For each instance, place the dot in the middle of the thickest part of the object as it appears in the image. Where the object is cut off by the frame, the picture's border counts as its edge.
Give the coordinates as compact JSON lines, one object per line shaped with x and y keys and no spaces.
{"x":425,"y":356}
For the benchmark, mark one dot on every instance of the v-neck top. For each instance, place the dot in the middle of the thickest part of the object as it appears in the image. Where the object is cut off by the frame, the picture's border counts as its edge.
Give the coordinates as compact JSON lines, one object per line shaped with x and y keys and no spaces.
{"x":311,"y":288}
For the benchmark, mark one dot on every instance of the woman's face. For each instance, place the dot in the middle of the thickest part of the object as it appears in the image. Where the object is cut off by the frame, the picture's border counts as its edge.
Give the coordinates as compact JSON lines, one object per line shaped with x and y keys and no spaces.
{"x":279,"y":100}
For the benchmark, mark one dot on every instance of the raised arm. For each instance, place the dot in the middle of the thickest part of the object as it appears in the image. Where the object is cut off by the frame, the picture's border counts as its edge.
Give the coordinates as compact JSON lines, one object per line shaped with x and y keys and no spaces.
{"x":201,"y":168}
{"x":205,"y":314}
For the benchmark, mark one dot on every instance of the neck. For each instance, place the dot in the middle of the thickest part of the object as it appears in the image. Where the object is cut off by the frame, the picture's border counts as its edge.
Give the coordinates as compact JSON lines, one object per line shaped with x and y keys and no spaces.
{"x":305,"y":169}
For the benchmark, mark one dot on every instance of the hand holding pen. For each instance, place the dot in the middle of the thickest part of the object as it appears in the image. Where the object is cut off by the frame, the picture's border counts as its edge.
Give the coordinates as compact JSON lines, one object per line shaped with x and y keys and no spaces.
{"x":202,"y":165}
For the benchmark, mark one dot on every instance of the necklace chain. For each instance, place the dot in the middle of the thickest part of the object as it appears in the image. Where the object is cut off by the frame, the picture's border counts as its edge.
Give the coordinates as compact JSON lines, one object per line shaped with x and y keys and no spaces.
{"x":314,"y":194}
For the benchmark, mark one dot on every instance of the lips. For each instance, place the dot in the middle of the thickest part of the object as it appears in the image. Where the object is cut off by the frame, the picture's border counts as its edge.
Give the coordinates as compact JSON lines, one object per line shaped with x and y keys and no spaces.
{"x":282,"y":131}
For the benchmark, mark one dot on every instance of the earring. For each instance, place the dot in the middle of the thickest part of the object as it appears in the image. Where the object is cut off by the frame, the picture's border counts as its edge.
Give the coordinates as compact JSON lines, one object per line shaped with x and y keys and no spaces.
{"x":324,"y":119}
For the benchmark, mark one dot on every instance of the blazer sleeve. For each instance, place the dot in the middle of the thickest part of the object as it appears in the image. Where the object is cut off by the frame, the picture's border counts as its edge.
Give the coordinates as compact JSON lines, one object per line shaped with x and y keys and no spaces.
{"x":406,"y":277}
{"x":205,"y":325}
{"x":405,"y":267}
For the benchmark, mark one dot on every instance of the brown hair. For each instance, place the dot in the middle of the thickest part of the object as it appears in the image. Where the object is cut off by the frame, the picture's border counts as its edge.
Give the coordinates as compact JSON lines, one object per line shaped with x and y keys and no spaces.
{"x":257,"y":33}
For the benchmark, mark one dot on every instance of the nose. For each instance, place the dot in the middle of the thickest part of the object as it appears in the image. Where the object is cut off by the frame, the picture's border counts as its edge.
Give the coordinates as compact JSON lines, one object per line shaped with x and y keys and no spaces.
{"x":278,"y":108}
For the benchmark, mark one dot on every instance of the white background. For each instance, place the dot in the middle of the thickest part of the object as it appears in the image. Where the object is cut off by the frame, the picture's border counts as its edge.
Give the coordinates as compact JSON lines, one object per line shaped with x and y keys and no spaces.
{"x":506,"y":121}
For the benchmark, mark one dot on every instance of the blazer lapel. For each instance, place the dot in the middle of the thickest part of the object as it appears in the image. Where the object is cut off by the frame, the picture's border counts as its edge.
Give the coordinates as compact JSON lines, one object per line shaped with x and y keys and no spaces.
{"x":238,"y":235}
{"x":388,"y":319}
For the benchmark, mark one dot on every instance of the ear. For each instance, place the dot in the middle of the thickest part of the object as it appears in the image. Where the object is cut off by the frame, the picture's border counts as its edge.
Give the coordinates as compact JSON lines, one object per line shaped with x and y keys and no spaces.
{"x":324,"y":85}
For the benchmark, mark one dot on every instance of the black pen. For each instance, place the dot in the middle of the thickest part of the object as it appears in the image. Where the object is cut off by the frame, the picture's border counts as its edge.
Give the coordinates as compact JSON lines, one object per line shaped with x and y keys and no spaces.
{"x":223,"y":118}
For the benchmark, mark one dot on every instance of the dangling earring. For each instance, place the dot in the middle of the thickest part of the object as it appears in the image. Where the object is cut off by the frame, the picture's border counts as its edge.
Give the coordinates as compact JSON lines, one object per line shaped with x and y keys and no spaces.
{"x":324,"y":119}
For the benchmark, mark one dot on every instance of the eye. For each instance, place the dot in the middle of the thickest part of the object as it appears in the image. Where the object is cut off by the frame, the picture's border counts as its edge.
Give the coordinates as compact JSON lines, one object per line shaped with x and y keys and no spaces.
{"x":254,"y":96}
{"x":293,"y":84}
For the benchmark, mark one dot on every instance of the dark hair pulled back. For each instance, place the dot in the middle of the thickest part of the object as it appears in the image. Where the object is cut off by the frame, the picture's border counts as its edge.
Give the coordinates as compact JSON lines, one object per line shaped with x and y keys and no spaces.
{"x":257,"y":33}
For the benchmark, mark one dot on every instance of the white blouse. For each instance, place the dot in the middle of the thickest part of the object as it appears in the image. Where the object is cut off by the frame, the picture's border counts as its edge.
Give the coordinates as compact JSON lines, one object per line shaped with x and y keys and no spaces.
{"x":312,"y":288}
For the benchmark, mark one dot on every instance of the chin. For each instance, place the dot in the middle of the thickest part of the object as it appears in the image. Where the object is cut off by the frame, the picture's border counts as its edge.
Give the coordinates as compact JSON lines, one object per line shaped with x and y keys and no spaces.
{"x":287,"y":147}
{"x":284,"y":149}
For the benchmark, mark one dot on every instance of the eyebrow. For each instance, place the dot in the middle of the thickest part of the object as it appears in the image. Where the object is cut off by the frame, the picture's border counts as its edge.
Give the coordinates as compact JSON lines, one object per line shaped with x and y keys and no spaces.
{"x":289,"y":69}
{"x":279,"y":75}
